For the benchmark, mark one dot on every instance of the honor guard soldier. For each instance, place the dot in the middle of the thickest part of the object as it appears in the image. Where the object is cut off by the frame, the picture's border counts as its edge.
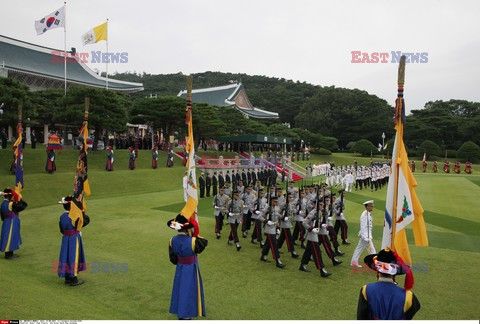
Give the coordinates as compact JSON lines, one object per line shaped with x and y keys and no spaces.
{"x":340,"y":220}
{"x":311,"y":224}
{"x":154,"y":157}
{"x":201,"y":184}
{"x":187,"y":292}
{"x":270,"y":218}
{"x":259,"y":208}
{"x":10,"y":239}
{"x":227,"y":177}
{"x":323,"y":234}
{"x":468,"y":167}
{"x":109,"y":166}
{"x":384,"y":300}
{"x":214,"y":184}
{"x":331,"y":231}
{"x":72,"y":256}
{"x":220,"y":202}
{"x":235,"y":213}
{"x":300,"y":213}
{"x":286,"y":227}
{"x":365,"y":234}
{"x":446,"y":167}
{"x":413,"y":166}
{"x":208,"y":183}
{"x":221,"y":180}
{"x":424,"y":166}
{"x":249,"y":198}
{"x":434,"y":168}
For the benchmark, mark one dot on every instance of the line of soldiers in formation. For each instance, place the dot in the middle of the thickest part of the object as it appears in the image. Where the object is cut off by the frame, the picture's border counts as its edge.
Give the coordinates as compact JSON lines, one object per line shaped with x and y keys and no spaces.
{"x":308,"y":211}
{"x":446,"y":167}
{"x":373,"y":177}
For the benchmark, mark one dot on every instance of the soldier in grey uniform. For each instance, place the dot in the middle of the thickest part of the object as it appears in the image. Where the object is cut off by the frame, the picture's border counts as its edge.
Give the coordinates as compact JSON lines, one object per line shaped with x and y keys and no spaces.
{"x":292,"y":190}
{"x":240,"y":188}
{"x":300,"y":213}
{"x":270,"y":218}
{"x":249,"y":198}
{"x":227,"y":190}
{"x":220,"y":202}
{"x":286,"y":227}
{"x":340,"y":220}
{"x":331,"y":231}
{"x":311,"y":225}
{"x":323,"y":234}
{"x":235,"y":212}
{"x":259,"y":208}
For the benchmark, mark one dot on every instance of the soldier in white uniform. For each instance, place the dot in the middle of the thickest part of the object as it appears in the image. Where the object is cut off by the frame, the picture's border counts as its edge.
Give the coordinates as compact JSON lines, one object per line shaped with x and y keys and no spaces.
{"x":365,"y":234}
{"x":259,"y":207}
{"x":220,"y":210}
{"x":235,"y":213}
{"x":270,"y":218}
{"x":311,"y":224}
{"x":349,"y":181}
{"x":249,"y":198}
{"x":286,"y":227}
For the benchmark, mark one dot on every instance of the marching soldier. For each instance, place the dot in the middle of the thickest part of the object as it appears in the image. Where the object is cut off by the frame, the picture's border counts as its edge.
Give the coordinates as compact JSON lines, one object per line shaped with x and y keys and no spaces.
{"x":413,"y":166}
{"x":10,"y":239}
{"x":220,"y":202}
{"x":249,"y":198}
{"x":311,"y":225}
{"x":331,"y":231}
{"x":446,"y":167}
{"x":424,"y":166}
{"x":285,"y":227}
{"x":260,"y":205}
{"x":235,"y":212}
{"x":227,"y":190}
{"x":270,"y":218}
{"x":434,"y":168}
{"x":340,"y":221}
{"x":365,"y":234}
{"x":300,"y":213}
{"x":323,"y":234}
{"x":201,"y":184}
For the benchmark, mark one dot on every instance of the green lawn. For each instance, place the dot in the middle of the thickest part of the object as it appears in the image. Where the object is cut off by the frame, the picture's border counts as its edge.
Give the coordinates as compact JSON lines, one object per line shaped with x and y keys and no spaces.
{"x":129,"y":211}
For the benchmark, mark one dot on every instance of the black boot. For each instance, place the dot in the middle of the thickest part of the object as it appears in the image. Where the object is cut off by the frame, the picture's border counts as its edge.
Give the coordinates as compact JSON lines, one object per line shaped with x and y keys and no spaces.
{"x":68,"y":280}
{"x":76,"y":282}
{"x":229,"y":242}
{"x":264,"y":258}
{"x":244,"y":234}
{"x":295,"y":255}
{"x":254,"y":241}
{"x":303,"y":245}
{"x":345,"y":242}
{"x":303,"y":268}
{"x":10,"y":255}
{"x":238,"y":246}
{"x":336,"y":262}
{"x":339,"y":253}
{"x":218,"y":236}
{"x":280,"y":264}
{"x":324,"y":273}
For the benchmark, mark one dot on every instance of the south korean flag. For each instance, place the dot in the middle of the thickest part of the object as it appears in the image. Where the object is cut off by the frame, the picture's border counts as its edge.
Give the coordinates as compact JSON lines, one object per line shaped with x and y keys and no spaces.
{"x":54,"y":20}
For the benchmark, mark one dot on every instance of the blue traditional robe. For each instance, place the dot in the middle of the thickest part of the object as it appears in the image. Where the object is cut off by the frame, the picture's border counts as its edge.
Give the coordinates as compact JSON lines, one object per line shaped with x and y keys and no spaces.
{"x":187,"y":293}
{"x":10,"y":239}
{"x":72,"y":256}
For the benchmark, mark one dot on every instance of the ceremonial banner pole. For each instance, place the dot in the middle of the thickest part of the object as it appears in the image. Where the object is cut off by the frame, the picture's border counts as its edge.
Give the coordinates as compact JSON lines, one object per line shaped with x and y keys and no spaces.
{"x":106,"y":74}
{"x":18,"y":151}
{"x":398,"y":114}
{"x":65,"y":47}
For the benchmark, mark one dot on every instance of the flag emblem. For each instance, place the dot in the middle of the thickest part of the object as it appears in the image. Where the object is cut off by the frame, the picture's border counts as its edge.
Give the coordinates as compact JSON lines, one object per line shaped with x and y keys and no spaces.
{"x":405,"y":210}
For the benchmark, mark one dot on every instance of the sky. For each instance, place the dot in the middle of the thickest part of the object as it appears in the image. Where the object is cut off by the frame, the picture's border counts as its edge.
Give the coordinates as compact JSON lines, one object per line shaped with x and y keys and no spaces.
{"x":301,"y":40}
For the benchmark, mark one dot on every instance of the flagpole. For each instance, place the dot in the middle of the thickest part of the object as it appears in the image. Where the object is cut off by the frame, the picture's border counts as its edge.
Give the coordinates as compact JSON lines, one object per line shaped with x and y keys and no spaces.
{"x":399,"y":123}
{"x":107,"y":59}
{"x":65,"y":46}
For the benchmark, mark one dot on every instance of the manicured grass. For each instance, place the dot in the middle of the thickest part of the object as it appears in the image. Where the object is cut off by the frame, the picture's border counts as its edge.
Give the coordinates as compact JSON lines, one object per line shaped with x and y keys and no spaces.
{"x":129,"y":211}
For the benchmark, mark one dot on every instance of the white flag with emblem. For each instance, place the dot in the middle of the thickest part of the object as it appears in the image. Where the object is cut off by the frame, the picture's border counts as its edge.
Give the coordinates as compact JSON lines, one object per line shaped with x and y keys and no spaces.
{"x":54,"y":20}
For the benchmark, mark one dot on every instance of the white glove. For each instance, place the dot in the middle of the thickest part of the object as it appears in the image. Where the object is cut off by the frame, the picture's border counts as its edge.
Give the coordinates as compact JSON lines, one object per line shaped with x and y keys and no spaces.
{"x":341,"y":215}
{"x":270,"y":223}
{"x":230,"y":214}
{"x":329,"y":218}
{"x":257,"y":212}
{"x":285,"y":219}
{"x":324,"y":226}
{"x":315,"y":231}
{"x":216,"y":207}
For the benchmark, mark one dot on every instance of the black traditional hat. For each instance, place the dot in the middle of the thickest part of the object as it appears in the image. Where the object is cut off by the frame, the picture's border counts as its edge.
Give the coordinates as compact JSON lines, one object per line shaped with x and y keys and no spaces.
{"x":179,"y":223}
